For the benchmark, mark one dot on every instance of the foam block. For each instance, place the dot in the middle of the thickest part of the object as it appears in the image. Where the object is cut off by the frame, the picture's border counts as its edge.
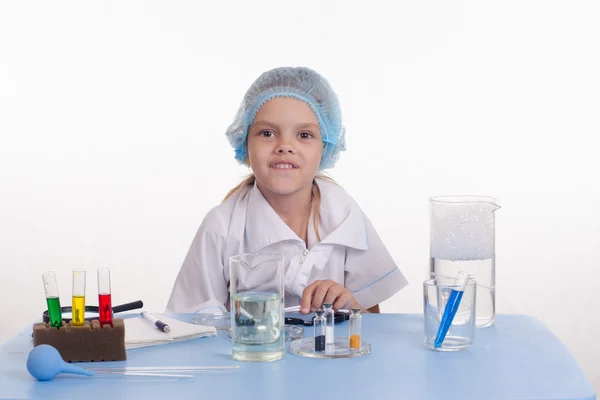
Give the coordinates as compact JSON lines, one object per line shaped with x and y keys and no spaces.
{"x":88,"y":343}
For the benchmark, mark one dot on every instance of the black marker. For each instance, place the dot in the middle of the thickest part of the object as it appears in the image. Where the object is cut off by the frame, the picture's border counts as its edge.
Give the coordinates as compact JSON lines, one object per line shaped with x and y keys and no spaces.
{"x":158,"y":323}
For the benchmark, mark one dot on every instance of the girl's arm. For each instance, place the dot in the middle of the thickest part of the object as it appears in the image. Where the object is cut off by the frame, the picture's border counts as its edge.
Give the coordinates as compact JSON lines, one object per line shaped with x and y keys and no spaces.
{"x":371,"y":275}
{"x":374,"y":309}
{"x":201,"y":283}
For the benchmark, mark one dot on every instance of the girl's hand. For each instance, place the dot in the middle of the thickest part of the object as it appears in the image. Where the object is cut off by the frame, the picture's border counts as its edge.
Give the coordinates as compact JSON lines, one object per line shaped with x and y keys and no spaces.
{"x":319,"y":292}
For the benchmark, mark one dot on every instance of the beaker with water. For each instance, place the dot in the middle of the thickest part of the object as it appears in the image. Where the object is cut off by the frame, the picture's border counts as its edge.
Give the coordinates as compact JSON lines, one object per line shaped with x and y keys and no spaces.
{"x":256,"y":291}
{"x":462,"y":238}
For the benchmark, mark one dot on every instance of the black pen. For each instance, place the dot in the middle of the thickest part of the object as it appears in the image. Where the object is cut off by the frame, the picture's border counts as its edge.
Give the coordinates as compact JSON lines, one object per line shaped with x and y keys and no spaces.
{"x":158,"y":323}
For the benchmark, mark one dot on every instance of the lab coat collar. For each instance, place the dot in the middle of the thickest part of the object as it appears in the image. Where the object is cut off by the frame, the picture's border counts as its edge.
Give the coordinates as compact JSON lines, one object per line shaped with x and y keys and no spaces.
{"x":263,"y":225}
{"x":342,"y":221}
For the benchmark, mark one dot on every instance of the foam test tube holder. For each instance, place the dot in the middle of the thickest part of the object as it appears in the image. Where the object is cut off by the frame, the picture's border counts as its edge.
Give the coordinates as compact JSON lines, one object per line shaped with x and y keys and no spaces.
{"x":87,"y":343}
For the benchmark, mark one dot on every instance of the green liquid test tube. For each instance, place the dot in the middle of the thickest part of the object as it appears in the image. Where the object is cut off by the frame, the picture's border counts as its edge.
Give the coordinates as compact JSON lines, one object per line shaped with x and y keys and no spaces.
{"x":52,"y":299}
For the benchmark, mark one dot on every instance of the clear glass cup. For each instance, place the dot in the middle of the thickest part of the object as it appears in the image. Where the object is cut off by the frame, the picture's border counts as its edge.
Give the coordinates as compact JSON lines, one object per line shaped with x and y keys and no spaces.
{"x":439,"y":307}
{"x":257,"y":307}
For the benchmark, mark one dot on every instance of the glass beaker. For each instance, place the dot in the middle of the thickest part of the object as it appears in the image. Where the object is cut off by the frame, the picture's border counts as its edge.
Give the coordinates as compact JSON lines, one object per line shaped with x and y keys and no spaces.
{"x":439,"y":297}
{"x":256,"y":291}
{"x":462,"y":238}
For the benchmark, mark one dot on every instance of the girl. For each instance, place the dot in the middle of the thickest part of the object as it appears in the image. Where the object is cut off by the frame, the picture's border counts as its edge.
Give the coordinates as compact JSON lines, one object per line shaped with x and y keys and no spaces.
{"x":287,"y":130}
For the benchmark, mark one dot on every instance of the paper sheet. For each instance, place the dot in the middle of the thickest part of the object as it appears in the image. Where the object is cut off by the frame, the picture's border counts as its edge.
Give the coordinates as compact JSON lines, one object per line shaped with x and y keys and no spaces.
{"x":140,"y":332}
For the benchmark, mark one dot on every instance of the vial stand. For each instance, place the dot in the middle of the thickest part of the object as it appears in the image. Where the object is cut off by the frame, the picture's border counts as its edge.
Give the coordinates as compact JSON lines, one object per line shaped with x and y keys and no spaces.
{"x":320,"y":330}
{"x":324,"y":344}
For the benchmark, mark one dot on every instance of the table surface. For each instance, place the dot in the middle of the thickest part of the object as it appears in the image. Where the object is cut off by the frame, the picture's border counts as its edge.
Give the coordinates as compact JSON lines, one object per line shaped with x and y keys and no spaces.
{"x":517,"y":358}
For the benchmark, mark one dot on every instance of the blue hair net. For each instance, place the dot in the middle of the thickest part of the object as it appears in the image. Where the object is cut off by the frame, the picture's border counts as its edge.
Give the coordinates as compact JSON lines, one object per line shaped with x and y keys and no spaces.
{"x":300,"y":83}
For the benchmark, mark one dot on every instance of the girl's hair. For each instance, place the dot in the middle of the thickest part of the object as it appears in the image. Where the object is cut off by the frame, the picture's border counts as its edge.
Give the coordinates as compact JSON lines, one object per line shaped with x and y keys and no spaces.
{"x":315,"y":197}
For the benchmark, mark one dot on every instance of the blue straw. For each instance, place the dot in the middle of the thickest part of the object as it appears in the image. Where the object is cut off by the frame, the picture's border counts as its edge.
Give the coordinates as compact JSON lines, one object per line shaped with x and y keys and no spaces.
{"x":451,"y":307}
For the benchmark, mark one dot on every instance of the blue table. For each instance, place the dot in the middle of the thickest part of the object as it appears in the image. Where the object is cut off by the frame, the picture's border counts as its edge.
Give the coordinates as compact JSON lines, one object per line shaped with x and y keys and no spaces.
{"x":518,"y":358}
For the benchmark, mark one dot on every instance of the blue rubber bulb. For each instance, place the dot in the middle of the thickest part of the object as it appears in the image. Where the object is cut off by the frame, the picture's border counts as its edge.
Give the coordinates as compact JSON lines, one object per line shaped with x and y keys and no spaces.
{"x":45,"y":362}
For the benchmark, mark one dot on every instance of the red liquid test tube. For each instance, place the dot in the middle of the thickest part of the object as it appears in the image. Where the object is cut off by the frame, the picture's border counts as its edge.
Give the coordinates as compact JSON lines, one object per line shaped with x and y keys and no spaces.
{"x":104,"y":297}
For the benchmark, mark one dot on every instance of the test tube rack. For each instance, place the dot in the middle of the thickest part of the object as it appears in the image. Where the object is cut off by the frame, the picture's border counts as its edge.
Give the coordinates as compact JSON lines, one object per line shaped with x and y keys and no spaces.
{"x":88,"y":343}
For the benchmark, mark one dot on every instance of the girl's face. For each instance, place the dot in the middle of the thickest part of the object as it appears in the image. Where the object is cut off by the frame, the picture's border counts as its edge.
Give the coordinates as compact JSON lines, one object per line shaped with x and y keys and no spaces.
{"x":285,"y":146}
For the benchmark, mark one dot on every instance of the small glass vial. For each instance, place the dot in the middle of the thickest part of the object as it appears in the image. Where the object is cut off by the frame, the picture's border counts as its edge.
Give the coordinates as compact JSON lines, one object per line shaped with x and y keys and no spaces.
{"x":355,"y":328}
{"x":329,"y":320}
{"x":320,"y":327}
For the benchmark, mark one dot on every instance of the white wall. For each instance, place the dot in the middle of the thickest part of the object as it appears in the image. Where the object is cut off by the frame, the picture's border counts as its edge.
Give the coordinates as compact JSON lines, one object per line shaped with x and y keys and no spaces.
{"x":112,"y":147}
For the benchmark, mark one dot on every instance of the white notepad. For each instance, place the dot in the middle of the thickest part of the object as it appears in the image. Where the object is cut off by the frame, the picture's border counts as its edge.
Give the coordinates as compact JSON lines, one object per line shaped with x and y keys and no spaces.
{"x":140,"y":332}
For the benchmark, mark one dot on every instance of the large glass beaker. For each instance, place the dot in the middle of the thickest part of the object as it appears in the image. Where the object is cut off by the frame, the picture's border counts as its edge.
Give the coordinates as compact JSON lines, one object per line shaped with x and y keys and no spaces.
{"x":462,"y":238}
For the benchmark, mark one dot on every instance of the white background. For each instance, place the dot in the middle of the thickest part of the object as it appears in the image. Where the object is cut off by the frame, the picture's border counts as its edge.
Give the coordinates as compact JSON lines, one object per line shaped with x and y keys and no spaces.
{"x":112,"y":147}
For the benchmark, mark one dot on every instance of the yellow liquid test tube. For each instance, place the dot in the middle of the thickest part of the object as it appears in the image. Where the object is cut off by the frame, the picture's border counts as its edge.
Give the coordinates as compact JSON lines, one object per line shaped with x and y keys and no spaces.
{"x":78,"y":304}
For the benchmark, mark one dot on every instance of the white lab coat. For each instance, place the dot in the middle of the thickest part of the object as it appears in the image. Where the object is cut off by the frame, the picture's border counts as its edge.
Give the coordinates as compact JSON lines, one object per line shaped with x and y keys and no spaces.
{"x":350,"y":252}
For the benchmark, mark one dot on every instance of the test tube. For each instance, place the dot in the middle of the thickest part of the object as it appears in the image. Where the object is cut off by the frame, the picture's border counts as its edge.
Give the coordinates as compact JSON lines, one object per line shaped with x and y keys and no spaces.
{"x":355,"y":328}
{"x":451,"y":307}
{"x":78,"y":304}
{"x":329,"y":321}
{"x":105,"y":313}
{"x":52,"y":299}
{"x":320,"y":325}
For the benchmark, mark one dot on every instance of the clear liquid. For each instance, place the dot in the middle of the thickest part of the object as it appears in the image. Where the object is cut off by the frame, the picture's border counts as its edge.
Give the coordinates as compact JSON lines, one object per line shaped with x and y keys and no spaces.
{"x":483,"y":271}
{"x":257,"y":329}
